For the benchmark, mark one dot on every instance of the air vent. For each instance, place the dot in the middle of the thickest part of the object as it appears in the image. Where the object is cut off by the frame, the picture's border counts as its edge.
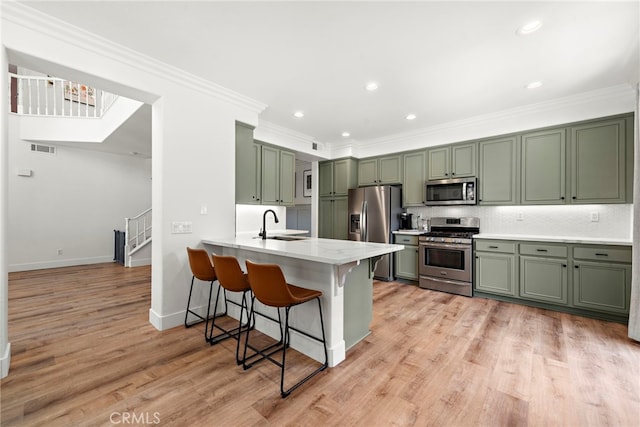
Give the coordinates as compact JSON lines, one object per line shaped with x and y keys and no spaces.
{"x":41,"y":148}
{"x":314,"y":145}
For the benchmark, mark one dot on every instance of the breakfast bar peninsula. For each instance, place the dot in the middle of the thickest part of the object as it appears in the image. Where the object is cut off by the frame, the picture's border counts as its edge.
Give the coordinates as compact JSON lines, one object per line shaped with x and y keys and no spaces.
{"x":342,"y":270}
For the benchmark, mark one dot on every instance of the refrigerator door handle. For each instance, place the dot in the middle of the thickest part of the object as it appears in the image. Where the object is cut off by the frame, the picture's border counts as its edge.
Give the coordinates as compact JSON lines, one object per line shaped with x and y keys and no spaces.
{"x":363,"y":223}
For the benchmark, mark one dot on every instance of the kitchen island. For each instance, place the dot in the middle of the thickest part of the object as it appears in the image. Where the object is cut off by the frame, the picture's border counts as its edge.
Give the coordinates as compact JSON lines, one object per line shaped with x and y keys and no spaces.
{"x":341,"y":269}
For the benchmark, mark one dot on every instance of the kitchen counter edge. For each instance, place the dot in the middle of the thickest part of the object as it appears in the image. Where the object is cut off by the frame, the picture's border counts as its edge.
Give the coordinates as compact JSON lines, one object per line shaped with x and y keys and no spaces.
{"x":555,"y":239}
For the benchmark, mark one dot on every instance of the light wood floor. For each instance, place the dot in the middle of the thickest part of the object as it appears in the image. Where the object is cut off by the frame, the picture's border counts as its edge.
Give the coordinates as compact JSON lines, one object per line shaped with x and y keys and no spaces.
{"x":85,"y":354}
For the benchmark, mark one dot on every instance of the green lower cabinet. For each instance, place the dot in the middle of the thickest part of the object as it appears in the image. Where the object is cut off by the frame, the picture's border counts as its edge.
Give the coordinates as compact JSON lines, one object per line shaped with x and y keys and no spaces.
{"x":495,"y":273}
{"x":544,"y":279}
{"x":602,"y":286}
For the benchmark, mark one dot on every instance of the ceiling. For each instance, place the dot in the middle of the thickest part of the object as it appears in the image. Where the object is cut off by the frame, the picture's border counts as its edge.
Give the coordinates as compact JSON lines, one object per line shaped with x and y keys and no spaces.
{"x":442,"y":61}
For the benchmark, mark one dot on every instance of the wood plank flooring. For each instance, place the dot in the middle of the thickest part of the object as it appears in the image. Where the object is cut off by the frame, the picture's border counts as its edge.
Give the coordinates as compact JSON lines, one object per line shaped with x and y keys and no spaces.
{"x":84,"y":353}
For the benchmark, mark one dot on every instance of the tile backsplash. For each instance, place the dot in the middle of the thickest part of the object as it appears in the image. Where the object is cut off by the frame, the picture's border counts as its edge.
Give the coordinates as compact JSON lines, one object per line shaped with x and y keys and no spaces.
{"x":614,"y":221}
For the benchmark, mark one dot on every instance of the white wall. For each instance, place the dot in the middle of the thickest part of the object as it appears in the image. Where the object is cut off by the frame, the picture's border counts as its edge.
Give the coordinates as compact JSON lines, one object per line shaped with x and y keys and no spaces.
{"x":73,"y":201}
{"x":300,"y":168}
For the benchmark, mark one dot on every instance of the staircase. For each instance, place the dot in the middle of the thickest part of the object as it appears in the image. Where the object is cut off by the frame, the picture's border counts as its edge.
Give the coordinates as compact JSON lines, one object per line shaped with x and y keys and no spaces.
{"x":137,"y":248}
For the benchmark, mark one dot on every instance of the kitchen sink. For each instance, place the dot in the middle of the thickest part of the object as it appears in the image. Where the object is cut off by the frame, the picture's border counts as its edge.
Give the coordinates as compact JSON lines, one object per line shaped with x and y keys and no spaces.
{"x":287,"y":238}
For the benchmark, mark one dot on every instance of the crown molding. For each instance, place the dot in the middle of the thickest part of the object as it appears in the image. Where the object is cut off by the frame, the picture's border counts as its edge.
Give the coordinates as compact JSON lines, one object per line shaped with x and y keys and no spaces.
{"x":34,"y":20}
{"x":617,"y":95}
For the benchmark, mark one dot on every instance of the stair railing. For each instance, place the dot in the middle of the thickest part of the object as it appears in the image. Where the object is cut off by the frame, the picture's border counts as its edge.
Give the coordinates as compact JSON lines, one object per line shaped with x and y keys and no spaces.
{"x":51,"y":96}
{"x":137,"y":231}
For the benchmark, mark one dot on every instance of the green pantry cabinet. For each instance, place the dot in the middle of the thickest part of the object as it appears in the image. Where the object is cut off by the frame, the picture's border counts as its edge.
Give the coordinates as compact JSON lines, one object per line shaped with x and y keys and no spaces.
{"x":265,"y":174}
{"x":336,"y":177}
{"x":587,"y":279}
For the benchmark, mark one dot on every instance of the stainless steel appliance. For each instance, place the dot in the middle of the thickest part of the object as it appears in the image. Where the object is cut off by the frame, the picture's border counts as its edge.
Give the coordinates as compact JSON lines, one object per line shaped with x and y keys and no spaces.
{"x":406,"y":221}
{"x":445,"y":261}
{"x":373,"y":214}
{"x":457,"y":191}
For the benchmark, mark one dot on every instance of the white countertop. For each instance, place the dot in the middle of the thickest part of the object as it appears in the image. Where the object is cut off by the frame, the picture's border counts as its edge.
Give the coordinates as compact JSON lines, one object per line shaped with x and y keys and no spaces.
{"x":275,"y":232}
{"x":410,"y":232}
{"x":558,"y":239}
{"x":327,"y":251}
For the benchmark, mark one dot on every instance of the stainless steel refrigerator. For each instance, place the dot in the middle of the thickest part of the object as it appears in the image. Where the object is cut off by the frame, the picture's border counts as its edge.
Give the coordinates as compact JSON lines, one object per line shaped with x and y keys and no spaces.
{"x":373,"y":215}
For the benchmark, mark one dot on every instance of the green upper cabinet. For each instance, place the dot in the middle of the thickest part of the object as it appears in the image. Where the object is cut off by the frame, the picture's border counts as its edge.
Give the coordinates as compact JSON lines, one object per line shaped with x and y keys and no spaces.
{"x":414,"y":176}
{"x":248,"y":166}
{"x":337,"y":177}
{"x":498,"y":173}
{"x":278,"y":181}
{"x":598,"y":167}
{"x":380,"y":170}
{"x":543,"y":161}
{"x":452,"y":161}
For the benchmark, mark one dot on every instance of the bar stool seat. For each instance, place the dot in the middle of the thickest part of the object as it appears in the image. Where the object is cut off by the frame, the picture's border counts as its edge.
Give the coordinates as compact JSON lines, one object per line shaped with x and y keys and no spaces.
{"x":201,"y":269}
{"x":233,"y":279}
{"x":269,"y":286}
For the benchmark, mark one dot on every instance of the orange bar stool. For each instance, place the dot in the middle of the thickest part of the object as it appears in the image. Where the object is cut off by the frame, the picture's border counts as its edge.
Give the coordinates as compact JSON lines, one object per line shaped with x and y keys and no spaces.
{"x":231,"y":278}
{"x":202,"y":269}
{"x":271,"y":289}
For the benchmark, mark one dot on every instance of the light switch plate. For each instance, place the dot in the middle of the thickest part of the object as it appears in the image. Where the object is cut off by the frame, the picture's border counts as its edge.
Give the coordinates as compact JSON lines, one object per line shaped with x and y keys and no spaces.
{"x":181,"y":227}
{"x":595,"y":217}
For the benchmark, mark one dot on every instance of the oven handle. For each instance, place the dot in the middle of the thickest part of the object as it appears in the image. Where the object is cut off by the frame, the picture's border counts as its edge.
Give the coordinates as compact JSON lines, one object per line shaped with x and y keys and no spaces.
{"x":444,"y":245}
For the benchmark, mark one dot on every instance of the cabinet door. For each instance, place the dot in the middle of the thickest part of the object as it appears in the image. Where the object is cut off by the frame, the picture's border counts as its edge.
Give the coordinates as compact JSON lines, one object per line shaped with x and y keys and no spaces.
{"x":544,"y":167}
{"x":390,"y":170}
{"x":368,"y":172}
{"x":598,"y":162}
{"x":406,"y":263}
{"x":270,"y":175}
{"x":287,"y":178}
{"x":340,"y":218}
{"x":438,"y":163}
{"x":463,"y":160}
{"x":325,"y":179}
{"x":343,"y":176}
{"x":325,"y":218}
{"x":497,"y":180}
{"x":413,"y":188}
{"x":248,"y":166}
{"x":495,"y":273}
{"x":544,"y":279}
{"x":602,"y":286}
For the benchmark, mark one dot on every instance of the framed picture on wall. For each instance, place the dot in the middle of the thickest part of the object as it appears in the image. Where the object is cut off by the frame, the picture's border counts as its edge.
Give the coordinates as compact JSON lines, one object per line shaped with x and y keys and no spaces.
{"x":306,"y":183}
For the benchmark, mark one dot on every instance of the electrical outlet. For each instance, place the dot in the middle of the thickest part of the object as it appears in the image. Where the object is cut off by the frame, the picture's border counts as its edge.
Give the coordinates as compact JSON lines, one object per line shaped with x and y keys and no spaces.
{"x":59,"y":251}
{"x":204,"y":210}
{"x":520,"y":216}
{"x":595,"y":217}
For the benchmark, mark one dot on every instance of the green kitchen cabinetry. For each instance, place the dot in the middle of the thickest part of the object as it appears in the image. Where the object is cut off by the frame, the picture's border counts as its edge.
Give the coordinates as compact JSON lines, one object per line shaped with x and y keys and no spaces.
{"x":380,"y":170}
{"x":598,"y":166}
{"x":337,"y":177}
{"x":495,"y":267}
{"x":543,"y":272}
{"x":498,"y":171}
{"x":543,"y":167}
{"x":452,"y":161}
{"x":414,"y":176}
{"x":248,"y":166}
{"x":406,"y":260}
{"x":278,"y":176}
{"x":333,"y":216}
{"x":602,"y":278}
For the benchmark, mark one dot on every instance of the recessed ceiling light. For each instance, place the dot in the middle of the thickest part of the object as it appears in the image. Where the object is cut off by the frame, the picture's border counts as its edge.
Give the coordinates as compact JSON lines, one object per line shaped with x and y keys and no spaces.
{"x":530,"y":27}
{"x":534,"y":85}
{"x":371,"y":86}
{"x":299,"y":114}
{"x":410,"y":117}
{"x":346,"y":134}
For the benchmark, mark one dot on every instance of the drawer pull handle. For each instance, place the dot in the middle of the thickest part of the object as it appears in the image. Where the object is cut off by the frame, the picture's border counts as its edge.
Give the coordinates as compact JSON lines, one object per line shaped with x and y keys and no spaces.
{"x":493,"y":247}
{"x":541,"y":250}
{"x":597,"y":254}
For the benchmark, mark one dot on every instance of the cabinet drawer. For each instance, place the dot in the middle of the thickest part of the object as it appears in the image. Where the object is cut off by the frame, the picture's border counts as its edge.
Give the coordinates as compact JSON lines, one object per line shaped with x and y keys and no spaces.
{"x":405,"y":239}
{"x":602,"y":254}
{"x":495,"y":246}
{"x":543,"y":250}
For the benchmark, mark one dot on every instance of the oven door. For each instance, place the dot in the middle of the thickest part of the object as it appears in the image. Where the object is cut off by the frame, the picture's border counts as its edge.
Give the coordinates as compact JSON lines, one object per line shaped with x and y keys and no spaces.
{"x":445,"y":261}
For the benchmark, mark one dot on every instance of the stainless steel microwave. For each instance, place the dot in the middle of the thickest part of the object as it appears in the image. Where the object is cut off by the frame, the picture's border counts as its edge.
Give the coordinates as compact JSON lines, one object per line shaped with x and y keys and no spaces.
{"x":456,"y":191}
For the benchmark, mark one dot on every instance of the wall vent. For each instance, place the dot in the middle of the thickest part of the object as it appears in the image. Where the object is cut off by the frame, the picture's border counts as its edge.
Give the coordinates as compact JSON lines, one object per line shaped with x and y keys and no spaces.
{"x":41,"y":148}
{"x":314,"y":145}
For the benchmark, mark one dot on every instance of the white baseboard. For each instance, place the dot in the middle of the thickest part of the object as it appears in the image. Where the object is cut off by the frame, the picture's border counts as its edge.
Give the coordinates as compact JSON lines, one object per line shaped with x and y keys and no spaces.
{"x":139,"y":262}
{"x":5,"y":361}
{"x":56,"y":264}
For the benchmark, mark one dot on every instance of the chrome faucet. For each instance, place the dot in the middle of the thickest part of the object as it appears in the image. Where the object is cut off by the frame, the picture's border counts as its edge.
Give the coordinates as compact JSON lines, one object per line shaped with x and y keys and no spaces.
{"x":263,"y":232}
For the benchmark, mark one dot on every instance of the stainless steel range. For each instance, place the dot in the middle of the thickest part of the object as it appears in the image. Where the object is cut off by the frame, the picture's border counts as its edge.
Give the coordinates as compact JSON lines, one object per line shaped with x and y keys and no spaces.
{"x":446,"y":255}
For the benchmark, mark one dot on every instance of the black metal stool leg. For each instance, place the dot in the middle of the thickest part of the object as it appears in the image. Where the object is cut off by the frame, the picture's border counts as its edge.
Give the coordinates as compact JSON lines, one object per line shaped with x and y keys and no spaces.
{"x":186,"y":314}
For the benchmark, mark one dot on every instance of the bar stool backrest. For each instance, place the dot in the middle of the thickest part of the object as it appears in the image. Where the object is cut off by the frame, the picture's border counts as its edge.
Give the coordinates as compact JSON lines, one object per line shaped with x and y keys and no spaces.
{"x":200,"y":264}
{"x":269,"y":285}
{"x":230,"y":275}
